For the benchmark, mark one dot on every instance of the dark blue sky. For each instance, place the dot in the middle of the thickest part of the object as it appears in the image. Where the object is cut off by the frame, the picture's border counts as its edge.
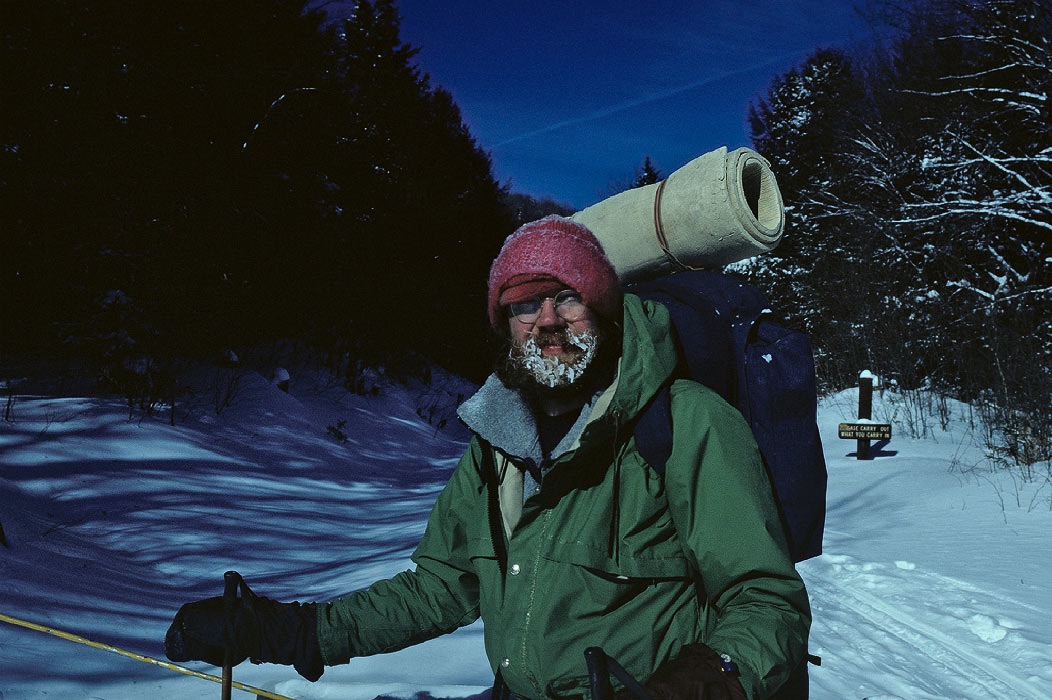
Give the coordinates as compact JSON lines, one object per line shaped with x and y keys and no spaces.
{"x":569,"y":97}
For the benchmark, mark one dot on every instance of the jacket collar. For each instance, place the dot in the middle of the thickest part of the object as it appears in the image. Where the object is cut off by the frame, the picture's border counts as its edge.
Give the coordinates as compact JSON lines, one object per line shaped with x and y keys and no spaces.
{"x":503,"y":417}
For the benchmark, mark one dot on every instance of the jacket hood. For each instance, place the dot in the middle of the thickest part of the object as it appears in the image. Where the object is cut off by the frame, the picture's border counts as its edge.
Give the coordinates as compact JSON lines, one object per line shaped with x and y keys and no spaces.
{"x":502,"y":416}
{"x":648,"y":356}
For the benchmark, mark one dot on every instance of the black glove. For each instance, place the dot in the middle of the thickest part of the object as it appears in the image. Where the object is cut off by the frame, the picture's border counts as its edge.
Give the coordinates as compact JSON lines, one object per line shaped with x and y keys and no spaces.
{"x":254,"y":627}
{"x":698,"y":673}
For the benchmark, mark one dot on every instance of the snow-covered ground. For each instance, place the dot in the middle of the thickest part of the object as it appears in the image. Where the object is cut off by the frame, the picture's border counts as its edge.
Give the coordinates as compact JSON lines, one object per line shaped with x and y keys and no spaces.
{"x":936,"y":581}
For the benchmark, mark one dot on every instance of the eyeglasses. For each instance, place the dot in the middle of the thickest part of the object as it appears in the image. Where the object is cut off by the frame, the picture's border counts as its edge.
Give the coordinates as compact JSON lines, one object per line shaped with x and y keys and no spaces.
{"x":568,"y":304}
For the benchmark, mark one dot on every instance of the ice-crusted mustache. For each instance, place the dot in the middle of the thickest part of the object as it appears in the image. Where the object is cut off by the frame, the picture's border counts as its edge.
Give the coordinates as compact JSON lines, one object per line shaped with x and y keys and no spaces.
{"x":553,"y":372}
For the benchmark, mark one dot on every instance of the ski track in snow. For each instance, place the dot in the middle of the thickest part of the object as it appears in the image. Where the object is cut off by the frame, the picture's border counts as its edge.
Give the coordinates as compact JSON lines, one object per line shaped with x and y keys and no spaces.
{"x":930,"y":662}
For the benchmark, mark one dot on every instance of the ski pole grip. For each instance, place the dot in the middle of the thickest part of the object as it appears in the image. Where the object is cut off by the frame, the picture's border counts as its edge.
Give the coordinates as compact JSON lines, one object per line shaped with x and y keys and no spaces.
{"x":598,"y":674}
{"x":231,"y":579}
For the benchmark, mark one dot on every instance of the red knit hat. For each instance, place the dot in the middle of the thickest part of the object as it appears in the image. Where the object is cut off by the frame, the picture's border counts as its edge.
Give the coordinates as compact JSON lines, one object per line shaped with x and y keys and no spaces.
{"x":548,"y":255}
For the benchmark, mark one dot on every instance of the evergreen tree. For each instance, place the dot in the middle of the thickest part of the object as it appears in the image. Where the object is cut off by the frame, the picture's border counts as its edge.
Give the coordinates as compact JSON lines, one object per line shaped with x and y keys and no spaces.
{"x":804,"y":126}
{"x":418,"y":197}
{"x":647,"y":174}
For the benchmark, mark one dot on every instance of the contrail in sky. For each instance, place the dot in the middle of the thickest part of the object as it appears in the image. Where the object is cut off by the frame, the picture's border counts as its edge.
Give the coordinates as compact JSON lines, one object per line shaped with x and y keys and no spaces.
{"x":606,"y":112}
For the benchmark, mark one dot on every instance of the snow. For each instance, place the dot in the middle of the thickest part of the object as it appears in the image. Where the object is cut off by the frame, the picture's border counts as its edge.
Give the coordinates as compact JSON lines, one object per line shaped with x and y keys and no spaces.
{"x":934,"y":583}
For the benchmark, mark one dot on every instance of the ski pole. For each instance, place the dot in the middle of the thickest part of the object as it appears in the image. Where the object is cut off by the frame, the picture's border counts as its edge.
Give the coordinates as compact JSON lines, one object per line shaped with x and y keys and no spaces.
{"x":139,"y":657}
{"x":598,"y":674}
{"x":600,"y":667}
{"x":230,"y":581}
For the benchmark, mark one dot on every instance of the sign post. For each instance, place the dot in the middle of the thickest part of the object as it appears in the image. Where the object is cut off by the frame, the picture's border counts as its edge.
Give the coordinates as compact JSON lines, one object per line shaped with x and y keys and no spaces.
{"x":865,"y":410}
{"x":865,"y":430}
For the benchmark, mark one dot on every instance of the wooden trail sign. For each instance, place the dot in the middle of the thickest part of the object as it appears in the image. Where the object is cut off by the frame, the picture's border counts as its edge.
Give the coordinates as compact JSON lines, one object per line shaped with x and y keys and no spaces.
{"x":864,"y":430}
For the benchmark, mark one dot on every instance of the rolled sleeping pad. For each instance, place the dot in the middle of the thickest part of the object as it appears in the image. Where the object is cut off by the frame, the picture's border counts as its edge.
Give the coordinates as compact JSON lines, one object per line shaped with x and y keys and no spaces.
{"x":717,"y":209}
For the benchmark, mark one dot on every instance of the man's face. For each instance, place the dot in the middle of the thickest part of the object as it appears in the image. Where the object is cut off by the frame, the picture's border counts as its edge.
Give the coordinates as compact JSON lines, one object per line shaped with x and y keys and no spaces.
{"x":554,"y":337}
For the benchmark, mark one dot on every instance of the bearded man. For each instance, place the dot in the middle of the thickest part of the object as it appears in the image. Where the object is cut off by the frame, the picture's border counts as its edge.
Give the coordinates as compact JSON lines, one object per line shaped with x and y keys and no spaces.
{"x":555,"y":531}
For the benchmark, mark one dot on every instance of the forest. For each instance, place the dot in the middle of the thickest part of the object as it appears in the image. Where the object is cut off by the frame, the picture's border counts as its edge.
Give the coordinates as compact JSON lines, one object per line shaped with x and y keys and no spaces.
{"x":235,"y":182}
{"x":185,"y":180}
{"x":917,"y":176}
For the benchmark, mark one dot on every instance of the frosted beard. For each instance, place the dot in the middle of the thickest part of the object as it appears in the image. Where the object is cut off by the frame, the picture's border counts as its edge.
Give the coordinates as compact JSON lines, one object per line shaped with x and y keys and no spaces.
{"x":552,"y":371}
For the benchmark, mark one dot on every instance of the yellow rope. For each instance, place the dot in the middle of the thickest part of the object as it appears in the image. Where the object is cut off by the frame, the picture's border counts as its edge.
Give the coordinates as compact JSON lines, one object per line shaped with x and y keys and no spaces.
{"x":139,"y":657}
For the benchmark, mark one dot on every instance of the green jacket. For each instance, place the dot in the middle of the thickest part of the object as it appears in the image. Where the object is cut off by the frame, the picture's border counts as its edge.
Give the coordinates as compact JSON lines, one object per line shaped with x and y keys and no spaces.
{"x":607,"y":552}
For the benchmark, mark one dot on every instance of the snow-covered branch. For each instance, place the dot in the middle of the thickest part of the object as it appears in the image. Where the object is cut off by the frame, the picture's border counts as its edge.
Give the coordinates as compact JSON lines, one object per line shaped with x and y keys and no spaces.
{"x":969,"y":209}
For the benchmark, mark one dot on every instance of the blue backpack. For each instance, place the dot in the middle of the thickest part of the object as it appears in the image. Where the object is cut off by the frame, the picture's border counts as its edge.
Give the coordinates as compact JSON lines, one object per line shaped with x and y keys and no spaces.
{"x":729,"y":341}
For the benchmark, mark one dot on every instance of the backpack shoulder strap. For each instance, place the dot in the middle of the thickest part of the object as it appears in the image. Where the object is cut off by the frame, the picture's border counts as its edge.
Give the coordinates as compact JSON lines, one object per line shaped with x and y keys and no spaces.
{"x":653,"y":431}
{"x":496,"y":523}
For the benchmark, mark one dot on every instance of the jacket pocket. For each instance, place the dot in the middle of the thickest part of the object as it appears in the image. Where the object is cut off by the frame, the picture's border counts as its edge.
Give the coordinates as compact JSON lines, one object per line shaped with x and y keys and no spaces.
{"x":483,"y":555}
{"x":664,"y":563}
{"x":625,"y":532}
{"x":483,"y":560}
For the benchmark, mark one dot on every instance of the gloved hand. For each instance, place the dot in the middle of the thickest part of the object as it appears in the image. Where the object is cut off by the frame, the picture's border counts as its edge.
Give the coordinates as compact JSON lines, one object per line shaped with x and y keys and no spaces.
{"x":255,"y":627}
{"x":696,"y":674}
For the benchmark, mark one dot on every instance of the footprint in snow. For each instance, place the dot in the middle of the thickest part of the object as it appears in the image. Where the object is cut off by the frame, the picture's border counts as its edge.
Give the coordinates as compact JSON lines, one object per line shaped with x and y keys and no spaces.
{"x":987,"y":628}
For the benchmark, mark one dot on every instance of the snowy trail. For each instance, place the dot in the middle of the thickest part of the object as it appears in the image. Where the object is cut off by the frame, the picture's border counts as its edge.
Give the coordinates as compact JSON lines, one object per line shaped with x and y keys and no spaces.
{"x":936,"y":584}
{"x":943,"y":647}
